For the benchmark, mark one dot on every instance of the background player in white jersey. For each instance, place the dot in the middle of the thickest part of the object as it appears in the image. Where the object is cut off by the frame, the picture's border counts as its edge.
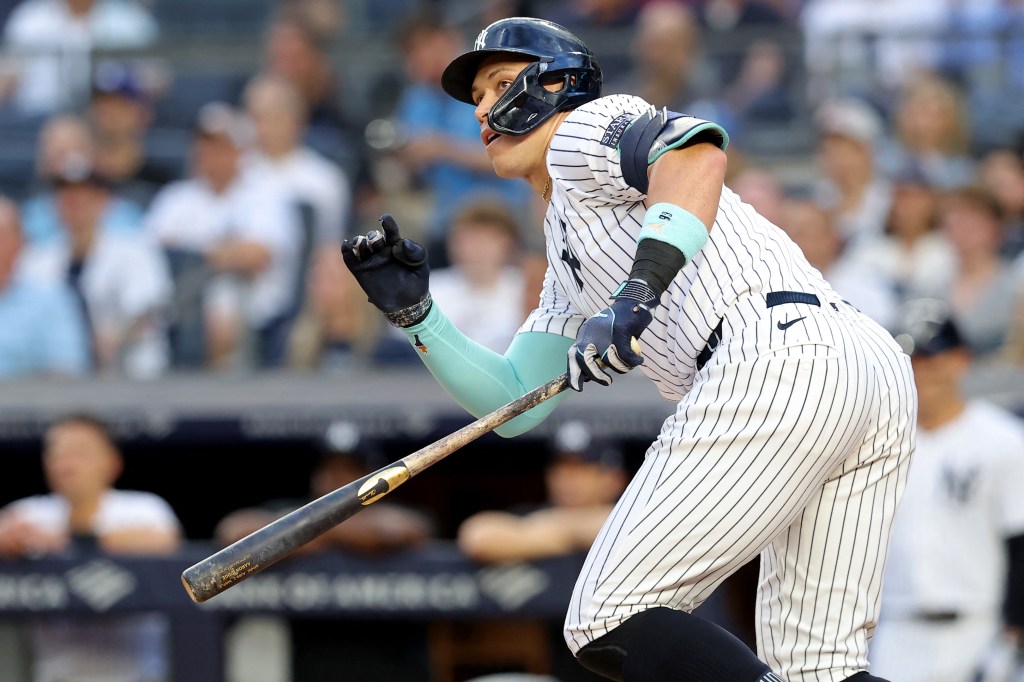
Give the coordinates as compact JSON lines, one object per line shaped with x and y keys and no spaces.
{"x":795,"y":416}
{"x":957,"y":555}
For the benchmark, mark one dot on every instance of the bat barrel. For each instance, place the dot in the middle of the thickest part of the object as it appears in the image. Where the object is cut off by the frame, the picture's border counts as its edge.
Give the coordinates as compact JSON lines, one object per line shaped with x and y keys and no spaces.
{"x":257,"y":551}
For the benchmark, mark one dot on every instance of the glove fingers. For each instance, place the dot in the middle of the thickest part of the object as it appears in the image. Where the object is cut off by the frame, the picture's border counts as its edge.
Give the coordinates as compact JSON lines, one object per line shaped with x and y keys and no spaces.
{"x":576,"y":376}
{"x":409,"y":252}
{"x":627,"y":357}
{"x":391,"y":235}
{"x":612,"y":360}
{"x":593,"y":367}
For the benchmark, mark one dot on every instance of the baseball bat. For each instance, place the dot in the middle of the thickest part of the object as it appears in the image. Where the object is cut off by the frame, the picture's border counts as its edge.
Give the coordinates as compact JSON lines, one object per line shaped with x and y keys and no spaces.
{"x":264,"y":547}
{"x":257,"y":551}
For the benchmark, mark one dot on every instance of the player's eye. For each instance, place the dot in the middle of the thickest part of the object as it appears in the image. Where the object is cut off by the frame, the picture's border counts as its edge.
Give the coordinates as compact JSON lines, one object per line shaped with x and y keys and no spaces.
{"x":504,"y":85}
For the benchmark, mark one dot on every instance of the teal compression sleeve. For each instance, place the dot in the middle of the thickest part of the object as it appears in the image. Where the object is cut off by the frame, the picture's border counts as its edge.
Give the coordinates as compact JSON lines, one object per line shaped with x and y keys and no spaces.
{"x":481,"y":380}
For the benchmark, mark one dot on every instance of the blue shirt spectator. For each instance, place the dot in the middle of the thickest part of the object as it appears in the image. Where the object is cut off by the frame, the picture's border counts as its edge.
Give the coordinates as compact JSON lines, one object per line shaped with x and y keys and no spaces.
{"x":41,"y":222}
{"x":41,"y":329}
{"x":425,"y":111}
{"x":442,"y":137}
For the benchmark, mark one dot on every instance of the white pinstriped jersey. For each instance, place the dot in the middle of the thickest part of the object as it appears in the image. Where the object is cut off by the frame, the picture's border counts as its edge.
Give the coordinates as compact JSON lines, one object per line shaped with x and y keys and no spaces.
{"x":592,"y":224}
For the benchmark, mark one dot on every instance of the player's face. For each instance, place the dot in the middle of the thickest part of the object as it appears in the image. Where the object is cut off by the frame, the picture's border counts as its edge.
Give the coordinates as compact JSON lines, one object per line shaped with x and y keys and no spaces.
{"x":513,"y":156}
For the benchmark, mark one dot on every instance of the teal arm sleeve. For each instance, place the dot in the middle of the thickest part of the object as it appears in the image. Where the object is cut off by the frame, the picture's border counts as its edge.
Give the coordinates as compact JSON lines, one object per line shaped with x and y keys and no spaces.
{"x":481,"y":380}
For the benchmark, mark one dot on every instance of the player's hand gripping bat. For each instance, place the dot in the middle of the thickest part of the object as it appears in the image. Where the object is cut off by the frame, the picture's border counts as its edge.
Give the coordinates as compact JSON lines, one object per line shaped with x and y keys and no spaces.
{"x":260,"y":549}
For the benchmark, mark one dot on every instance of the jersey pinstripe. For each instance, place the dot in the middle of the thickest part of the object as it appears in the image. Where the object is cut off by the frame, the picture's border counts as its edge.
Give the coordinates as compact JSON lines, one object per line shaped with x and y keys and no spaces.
{"x":793,"y":430}
{"x":592,"y":224}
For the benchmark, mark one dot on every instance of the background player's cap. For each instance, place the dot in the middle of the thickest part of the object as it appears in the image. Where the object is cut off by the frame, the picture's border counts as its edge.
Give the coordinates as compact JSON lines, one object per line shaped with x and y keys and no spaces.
{"x":346,"y":439}
{"x":849,"y":117}
{"x":117,"y":79}
{"x":557,"y":55}
{"x":926,"y":327}
{"x":576,"y":441}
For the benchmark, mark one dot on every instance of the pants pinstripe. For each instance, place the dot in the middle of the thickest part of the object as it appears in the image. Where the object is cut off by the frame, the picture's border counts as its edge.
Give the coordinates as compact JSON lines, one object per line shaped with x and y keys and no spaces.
{"x":794,"y":444}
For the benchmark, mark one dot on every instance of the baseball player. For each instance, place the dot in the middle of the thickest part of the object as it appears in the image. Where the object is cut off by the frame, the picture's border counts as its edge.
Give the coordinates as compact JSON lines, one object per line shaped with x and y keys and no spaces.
{"x":957,"y":556}
{"x":795,"y":413}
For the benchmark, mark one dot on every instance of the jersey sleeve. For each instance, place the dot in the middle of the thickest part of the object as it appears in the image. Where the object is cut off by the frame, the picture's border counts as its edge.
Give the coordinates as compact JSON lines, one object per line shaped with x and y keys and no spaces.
{"x":555,"y":313}
{"x":605,"y":146}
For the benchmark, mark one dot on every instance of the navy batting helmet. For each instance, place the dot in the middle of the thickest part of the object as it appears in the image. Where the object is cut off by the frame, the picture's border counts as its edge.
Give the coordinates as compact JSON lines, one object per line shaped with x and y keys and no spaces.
{"x":559,"y":57}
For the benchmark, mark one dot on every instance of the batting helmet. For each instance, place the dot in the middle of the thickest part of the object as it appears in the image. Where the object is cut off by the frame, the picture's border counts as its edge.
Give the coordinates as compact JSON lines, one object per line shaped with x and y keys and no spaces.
{"x":559,"y":57}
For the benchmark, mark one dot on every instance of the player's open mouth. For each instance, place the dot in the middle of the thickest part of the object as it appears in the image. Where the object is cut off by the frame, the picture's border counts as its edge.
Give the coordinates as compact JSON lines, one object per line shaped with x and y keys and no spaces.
{"x":488,"y":136}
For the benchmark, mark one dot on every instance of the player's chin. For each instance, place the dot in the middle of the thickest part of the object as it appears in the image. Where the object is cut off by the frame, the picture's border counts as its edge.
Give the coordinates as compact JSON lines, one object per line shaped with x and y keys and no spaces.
{"x":504,"y":167}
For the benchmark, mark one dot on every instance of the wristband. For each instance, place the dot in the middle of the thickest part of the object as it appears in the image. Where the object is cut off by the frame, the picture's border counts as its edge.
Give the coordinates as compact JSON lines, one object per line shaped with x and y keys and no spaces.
{"x":676,"y":226}
{"x":414,"y":314}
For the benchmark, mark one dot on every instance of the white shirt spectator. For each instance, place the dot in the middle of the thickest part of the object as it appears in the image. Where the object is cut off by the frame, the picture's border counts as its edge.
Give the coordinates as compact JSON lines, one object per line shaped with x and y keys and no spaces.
{"x":49,"y":47}
{"x":926,"y":271}
{"x":124,"y":279}
{"x":311,"y":179}
{"x":188,"y":215}
{"x":864,"y":290}
{"x":119,"y":648}
{"x":119,"y":510}
{"x":907,"y":37}
{"x":489,"y":317}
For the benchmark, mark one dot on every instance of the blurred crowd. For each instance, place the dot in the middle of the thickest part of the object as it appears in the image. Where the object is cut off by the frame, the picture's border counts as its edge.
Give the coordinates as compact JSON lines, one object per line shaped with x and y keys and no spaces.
{"x":164,"y":218}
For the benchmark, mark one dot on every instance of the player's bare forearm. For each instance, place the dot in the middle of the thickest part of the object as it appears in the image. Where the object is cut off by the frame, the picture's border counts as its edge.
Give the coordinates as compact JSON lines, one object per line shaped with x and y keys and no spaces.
{"x":691,"y":178}
{"x":499,"y":536}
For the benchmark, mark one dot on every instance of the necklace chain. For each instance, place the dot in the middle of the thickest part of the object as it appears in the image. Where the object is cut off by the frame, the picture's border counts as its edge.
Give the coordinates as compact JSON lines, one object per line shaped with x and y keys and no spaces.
{"x":546,"y":194}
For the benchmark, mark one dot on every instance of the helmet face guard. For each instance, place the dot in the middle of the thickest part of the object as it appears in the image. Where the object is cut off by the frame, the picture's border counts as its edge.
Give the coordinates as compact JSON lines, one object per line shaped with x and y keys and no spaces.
{"x":557,"y":56}
{"x":527,"y":103}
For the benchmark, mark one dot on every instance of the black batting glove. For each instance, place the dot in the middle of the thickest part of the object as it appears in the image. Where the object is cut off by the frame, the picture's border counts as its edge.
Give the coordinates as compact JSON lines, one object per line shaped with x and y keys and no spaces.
{"x":603,"y":341}
{"x":392,"y":271}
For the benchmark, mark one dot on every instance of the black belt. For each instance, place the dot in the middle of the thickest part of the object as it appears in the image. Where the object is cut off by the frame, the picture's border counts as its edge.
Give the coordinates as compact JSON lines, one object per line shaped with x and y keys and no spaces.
{"x":936,"y":616}
{"x":771,"y":299}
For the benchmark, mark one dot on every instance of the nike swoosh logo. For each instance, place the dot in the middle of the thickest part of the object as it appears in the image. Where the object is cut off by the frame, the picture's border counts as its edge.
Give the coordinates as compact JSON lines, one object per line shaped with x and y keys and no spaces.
{"x":789,"y":323}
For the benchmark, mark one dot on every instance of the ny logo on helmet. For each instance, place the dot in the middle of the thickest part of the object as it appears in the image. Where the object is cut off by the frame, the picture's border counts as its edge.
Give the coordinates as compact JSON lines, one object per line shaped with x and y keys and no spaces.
{"x":480,"y":40}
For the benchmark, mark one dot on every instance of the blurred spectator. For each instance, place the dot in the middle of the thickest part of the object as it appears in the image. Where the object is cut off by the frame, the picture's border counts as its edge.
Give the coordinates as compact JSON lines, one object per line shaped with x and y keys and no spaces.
{"x":759,"y":91}
{"x":894,"y":38}
{"x":482,"y":289}
{"x":759,"y":188}
{"x":984,"y":52}
{"x":64,"y":138}
{"x":296,"y":48}
{"x":48,"y":44}
{"x":852,"y":187}
{"x":316,"y":186}
{"x":41,"y":329}
{"x":1002,"y":171}
{"x":955,"y":576}
{"x":120,"y":113}
{"x":983,"y":289}
{"x":84,"y":513}
{"x":120,"y":280}
{"x":754,"y":74}
{"x":584,"y":478}
{"x":442,"y":136}
{"x":932,"y":131}
{"x":667,"y":66}
{"x":596,"y":17}
{"x":318,"y":647}
{"x":337,"y":326}
{"x":814,"y":231}
{"x":589,"y":14}
{"x":231,"y":236}
{"x":912,"y":253}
